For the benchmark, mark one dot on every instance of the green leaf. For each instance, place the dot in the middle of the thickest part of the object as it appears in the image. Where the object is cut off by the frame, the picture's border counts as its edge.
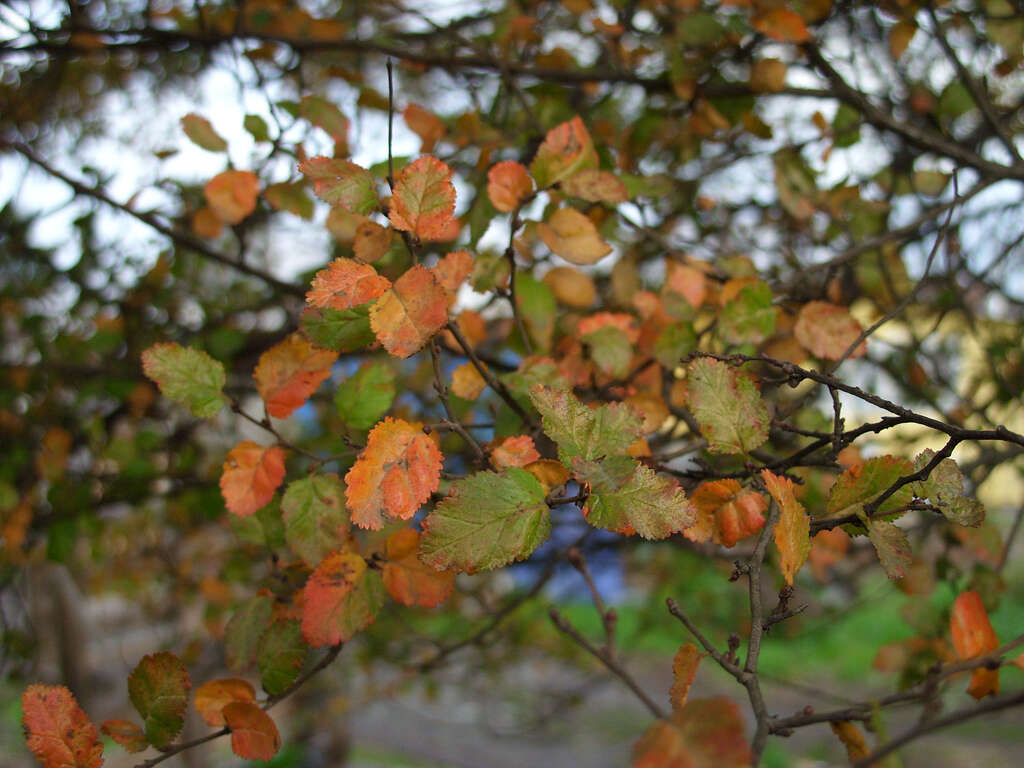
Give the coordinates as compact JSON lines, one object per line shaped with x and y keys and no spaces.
{"x":340,"y":330}
{"x":864,"y":482}
{"x":892,"y":546}
{"x":281,"y":656}
{"x":315,"y":520}
{"x":158,"y":688}
{"x":625,"y":494}
{"x":187,"y":376}
{"x":264,"y":528}
{"x":343,"y":183}
{"x":582,"y":432}
{"x":257,"y":127}
{"x":673,"y":343}
{"x":489,"y":520}
{"x":611,"y":350}
{"x":749,"y":317}
{"x":242,"y":634}
{"x":323,"y":114}
{"x":732,"y":416}
{"x":363,"y":398}
{"x":845,"y":125}
{"x":291,"y":197}
{"x":944,"y":488}
{"x":201,"y":133}
{"x":537,"y":307}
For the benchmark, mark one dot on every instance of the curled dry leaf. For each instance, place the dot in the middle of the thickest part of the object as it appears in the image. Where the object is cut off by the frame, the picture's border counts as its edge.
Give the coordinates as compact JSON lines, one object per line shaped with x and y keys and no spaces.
{"x":726,"y":512}
{"x":213,"y":696}
{"x":250,"y":475}
{"x":793,"y":530}
{"x":395,"y":474}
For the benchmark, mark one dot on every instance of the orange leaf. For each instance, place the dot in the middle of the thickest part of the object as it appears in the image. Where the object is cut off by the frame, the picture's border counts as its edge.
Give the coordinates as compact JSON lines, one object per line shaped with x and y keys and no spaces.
{"x":852,"y":738}
{"x":688,"y":282}
{"x":571,"y":287}
{"x":206,"y":223}
{"x":508,"y":184}
{"x":250,"y":476}
{"x":705,"y":733}
{"x":573,"y":236}
{"x":345,"y":283}
{"x":517,"y":451}
{"x":467,"y":382}
{"x":781,"y":24}
{"x":212,"y":697}
{"x":340,"y":598}
{"x":566,"y":150}
{"x":424,"y":124}
{"x":410,"y":313}
{"x":684,"y":669}
{"x":129,"y":735}
{"x":407,"y":579}
{"x":396,"y":473}
{"x":289,"y":372}
{"x":973,"y":636}
{"x":232,"y":195}
{"x":826,"y":330}
{"x":423,"y":202}
{"x":726,"y":512}
{"x":793,"y":531}
{"x":372,"y":242}
{"x":253,"y":734}
{"x":57,"y":731}
{"x":453,"y":269}
{"x":549,"y":472}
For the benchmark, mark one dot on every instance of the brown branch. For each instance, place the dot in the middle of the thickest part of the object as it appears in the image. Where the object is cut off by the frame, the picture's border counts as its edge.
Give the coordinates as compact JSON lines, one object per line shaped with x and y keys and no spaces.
{"x":605,"y":657}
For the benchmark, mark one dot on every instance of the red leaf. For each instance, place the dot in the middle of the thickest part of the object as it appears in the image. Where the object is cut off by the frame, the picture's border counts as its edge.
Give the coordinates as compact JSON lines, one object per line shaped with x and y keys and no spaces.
{"x":57,"y":731}
{"x":250,"y":476}
{"x":407,"y":579}
{"x":253,"y":734}
{"x":423,"y":202}
{"x":289,"y":372}
{"x":345,"y":283}
{"x":396,"y":473}
{"x":408,"y":315}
